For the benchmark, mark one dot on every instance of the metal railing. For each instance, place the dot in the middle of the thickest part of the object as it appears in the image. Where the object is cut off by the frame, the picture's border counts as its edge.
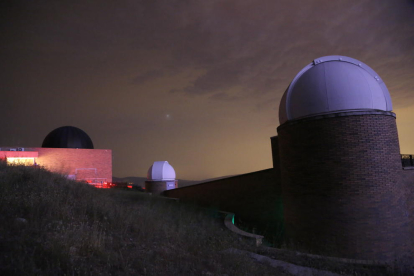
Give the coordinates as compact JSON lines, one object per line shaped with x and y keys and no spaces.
{"x":407,"y":160}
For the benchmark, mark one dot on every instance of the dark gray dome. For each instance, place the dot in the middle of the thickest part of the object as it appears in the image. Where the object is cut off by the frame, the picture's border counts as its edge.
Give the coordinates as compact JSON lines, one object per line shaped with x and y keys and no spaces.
{"x":68,"y":137}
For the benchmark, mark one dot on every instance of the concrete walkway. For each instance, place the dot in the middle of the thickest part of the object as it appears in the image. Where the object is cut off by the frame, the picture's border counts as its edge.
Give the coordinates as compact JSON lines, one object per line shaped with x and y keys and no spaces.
{"x":285,"y":266}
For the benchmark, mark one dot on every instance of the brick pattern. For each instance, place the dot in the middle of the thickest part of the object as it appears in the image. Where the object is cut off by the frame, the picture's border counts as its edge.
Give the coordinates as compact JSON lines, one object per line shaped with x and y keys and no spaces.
{"x":83,"y":163}
{"x":155,"y":187}
{"x":407,"y":177}
{"x":341,"y":187}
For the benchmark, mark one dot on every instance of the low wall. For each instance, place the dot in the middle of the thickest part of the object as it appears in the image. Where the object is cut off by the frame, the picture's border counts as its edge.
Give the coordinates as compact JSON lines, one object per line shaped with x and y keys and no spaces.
{"x":253,"y":196}
{"x":229,"y":223}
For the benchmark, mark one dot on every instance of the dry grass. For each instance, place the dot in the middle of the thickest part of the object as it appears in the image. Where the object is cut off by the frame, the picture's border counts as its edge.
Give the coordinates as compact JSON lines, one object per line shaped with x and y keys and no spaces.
{"x":53,"y":226}
{"x":50,"y":225}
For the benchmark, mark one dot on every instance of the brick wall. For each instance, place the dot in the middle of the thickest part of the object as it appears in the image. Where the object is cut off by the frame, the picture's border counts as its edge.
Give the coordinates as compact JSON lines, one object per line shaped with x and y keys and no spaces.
{"x":155,"y":187}
{"x":341,"y":186}
{"x":407,"y":177}
{"x":253,"y":196}
{"x":82,"y":163}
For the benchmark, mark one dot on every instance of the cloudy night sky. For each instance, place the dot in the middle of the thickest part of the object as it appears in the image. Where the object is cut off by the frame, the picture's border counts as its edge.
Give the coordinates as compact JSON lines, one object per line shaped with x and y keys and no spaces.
{"x":197,"y":83}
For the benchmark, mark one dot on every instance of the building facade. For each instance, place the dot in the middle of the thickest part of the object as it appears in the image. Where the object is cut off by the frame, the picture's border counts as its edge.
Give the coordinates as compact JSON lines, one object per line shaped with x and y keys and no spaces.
{"x":66,"y":150}
{"x":91,"y":165}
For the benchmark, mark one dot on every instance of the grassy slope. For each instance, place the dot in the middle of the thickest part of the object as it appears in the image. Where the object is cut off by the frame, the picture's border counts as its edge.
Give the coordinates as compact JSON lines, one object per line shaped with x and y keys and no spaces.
{"x":72,"y":228}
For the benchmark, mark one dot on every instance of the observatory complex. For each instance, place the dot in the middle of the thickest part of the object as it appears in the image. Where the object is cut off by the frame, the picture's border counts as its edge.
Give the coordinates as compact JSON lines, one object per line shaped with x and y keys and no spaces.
{"x":160,"y":178}
{"x":67,"y":150}
{"x":337,"y":187}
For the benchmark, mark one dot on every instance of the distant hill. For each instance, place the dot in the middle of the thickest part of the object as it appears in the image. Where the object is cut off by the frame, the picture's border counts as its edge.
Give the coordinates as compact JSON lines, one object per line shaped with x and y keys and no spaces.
{"x":140,"y":181}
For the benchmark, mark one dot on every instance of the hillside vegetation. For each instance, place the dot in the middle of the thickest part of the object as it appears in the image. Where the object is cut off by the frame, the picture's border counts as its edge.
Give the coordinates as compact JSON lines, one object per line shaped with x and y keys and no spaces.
{"x":50,"y":225}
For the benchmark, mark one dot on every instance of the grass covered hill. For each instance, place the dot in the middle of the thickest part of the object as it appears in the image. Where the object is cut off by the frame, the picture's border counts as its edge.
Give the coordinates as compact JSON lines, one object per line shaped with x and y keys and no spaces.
{"x":50,"y":225}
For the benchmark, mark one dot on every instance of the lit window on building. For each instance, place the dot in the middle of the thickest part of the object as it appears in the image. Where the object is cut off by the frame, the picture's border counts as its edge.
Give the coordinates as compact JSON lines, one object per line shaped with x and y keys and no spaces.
{"x":22,"y":161}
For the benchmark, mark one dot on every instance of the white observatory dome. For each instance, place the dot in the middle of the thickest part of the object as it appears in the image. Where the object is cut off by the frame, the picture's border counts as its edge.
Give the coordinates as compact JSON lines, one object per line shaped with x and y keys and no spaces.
{"x":333,"y":84}
{"x":161,"y":171}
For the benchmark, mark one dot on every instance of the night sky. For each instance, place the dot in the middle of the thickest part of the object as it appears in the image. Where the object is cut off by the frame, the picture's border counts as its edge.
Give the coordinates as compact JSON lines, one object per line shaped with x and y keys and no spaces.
{"x":197,"y":83}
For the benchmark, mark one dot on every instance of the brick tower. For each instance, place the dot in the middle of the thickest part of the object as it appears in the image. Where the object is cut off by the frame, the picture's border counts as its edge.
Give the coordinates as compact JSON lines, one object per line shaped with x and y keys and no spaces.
{"x":340,"y":163}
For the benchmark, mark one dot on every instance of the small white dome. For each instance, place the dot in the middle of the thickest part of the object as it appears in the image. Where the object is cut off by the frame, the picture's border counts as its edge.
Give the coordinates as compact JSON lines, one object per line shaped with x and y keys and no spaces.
{"x":161,"y":171}
{"x":333,"y":84}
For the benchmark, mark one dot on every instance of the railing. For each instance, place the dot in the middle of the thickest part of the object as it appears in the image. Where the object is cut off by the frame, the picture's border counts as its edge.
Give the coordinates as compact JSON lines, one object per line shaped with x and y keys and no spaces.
{"x":407,"y":160}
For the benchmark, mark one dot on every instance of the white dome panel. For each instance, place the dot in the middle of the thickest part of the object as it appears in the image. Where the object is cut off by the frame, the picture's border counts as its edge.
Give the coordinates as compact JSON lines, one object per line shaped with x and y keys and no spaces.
{"x":307,"y":95}
{"x":333,"y":84}
{"x":161,"y":171}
